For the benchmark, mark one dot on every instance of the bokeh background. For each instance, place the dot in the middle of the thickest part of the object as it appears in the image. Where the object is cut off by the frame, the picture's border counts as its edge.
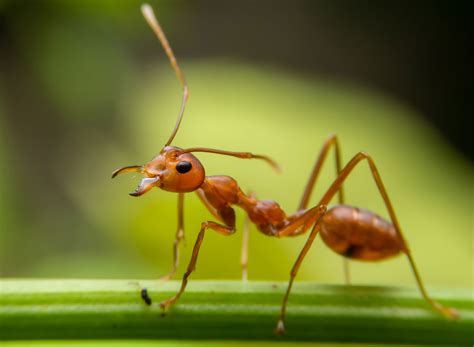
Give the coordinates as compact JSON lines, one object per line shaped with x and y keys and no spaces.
{"x":86,"y":88}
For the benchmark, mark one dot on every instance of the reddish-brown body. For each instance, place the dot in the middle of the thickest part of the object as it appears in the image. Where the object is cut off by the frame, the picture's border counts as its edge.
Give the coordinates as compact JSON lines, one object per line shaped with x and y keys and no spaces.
{"x":352,"y":232}
{"x":349,"y":231}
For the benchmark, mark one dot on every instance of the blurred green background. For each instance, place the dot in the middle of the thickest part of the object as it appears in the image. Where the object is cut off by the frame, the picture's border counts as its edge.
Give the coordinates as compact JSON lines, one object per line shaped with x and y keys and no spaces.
{"x":86,"y":89}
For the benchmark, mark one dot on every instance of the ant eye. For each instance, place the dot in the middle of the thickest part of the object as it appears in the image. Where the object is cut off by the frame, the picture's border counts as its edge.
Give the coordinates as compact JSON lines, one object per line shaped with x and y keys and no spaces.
{"x":183,"y":166}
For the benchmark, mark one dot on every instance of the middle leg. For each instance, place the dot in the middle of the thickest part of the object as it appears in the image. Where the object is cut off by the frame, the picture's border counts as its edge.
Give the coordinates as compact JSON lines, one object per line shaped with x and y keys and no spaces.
{"x":178,"y":238}
{"x":319,"y":212}
{"x":244,"y":255}
{"x":332,"y":140}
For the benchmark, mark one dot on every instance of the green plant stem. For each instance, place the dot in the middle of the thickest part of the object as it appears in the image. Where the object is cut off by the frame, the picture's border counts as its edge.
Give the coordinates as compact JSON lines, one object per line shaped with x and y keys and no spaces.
{"x":229,"y":310}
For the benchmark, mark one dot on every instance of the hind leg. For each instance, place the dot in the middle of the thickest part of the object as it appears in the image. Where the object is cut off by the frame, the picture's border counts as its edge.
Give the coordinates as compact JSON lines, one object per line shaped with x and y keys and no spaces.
{"x":325,"y":200}
{"x":446,"y":311}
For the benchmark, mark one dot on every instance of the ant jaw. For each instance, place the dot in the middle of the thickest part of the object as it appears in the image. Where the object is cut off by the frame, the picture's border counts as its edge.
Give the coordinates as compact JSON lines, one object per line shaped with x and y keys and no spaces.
{"x":145,"y":185}
{"x":133,"y":168}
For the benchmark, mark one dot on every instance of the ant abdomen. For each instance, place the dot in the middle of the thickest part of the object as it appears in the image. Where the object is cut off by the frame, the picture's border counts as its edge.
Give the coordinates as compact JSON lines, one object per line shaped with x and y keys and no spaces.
{"x":359,"y":234}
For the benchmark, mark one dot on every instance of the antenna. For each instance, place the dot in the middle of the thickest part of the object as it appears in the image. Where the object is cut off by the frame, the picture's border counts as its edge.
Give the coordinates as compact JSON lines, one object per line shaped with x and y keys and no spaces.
{"x":149,"y":15}
{"x":241,"y":155}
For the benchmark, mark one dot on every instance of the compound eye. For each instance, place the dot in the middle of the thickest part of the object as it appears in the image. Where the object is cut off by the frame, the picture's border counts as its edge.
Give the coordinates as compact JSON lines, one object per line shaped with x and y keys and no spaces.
{"x":183,"y":167}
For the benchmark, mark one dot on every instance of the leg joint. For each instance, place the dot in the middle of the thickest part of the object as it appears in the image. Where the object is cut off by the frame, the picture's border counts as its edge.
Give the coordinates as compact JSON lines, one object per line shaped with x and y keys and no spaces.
{"x":322,"y":209}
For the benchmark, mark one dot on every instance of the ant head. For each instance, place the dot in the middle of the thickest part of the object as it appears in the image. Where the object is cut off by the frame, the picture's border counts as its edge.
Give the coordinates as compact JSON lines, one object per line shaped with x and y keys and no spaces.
{"x":172,"y":170}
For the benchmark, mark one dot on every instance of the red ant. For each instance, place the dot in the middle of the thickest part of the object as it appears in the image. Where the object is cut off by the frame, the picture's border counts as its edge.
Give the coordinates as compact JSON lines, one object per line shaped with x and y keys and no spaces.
{"x":351,"y":232}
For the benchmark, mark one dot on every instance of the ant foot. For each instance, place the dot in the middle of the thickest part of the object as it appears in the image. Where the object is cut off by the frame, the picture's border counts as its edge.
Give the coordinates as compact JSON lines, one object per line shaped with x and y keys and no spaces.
{"x":280,"y":329}
{"x":145,"y":296}
{"x":450,"y":312}
{"x":447,"y":311}
{"x":166,"y":304}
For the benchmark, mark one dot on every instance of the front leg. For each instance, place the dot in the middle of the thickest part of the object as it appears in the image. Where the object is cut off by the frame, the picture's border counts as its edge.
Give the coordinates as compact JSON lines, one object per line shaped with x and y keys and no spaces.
{"x":221,"y":229}
{"x":178,"y":238}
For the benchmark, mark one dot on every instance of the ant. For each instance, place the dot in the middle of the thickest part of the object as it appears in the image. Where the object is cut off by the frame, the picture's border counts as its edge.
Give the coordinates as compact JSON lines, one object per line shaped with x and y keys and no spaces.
{"x":351,"y":232}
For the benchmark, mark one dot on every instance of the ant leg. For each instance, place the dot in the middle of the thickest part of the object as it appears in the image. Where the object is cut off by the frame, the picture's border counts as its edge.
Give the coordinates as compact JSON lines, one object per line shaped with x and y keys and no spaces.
{"x":245,"y":234}
{"x":209,"y":207}
{"x":331,"y":141}
{"x":320,"y":211}
{"x":221,"y":229}
{"x":244,"y":255}
{"x":178,"y":238}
